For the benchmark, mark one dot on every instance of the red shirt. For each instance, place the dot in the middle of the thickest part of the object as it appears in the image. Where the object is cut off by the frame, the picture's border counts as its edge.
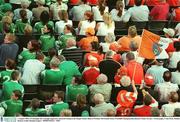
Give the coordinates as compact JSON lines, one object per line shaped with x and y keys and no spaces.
{"x":152,"y":2}
{"x":90,"y":76}
{"x":139,"y":73}
{"x":171,"y":48}
{"x":160,"y":12}
{"x":177,"y":14}
{"x":173,"y":2}
{"x":92,"y":2}
{"x":99,"y":57}
{"x":143,"y":111}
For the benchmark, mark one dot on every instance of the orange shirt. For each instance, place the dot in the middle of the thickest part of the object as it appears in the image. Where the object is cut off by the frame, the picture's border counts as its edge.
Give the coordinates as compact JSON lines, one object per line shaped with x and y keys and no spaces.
{"x":177,"y":14}
{"x":124,"y":42}
{"x":85,"y":43}
{"x":139,"y":73}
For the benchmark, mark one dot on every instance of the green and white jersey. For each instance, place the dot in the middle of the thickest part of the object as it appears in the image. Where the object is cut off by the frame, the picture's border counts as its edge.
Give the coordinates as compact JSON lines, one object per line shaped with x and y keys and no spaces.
{"x":47,"y":42}
{"x":34,"y":113}
{"x":53,"y":76}
{"x":5,"y":75}
{"x":20,"y":26}
{"x":9,"y":87}
{"x":73,"y":90}
{"x":24,"y":56}
{"x":38,"y":27}
{"x":12,"y":107}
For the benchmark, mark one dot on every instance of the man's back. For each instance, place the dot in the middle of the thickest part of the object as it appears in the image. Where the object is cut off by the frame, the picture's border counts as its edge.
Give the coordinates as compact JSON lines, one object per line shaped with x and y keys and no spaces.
{"x":109,"y":68}
{"x":31,"y":71}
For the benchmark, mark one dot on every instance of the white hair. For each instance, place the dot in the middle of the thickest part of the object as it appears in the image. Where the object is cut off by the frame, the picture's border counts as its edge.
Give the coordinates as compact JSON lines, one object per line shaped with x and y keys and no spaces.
{"x":125,"y":81}
{"x":102,"y":78}
{"x":98,"y":98}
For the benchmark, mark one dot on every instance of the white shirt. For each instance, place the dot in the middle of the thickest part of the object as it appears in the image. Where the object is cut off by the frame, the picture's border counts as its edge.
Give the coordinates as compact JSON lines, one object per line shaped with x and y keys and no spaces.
{"x":103,"y":29}
{"x":31,"y":71}
{"x":55,"y":8}
{"x":176,"y":77}
{"x":168,"y":109}
{"x":165,"y":42}
{"x":59,"y":26}
{"x":97,"y":14}
{"x":17,"y":14}
{"x":163,"y":55}
{"x":157,"y":73}
{"x":137,"y":13}
{"x":86,"y":24}
{"x":78,"y":11}
{"x":174,"y":59}
{"x":114,"y":15}
{"x":178,"y":29}
{"x":105,"y":46}
{"x":164,"y":90}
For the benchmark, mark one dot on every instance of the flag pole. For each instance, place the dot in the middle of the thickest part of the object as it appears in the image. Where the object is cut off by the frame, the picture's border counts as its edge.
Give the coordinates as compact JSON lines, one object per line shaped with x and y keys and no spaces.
{"x":138,"y":56}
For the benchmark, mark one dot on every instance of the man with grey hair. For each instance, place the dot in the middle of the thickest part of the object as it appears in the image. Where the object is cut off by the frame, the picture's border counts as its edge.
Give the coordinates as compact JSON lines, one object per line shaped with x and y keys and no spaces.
{"x":109,"y":38}
{"x":24,"y":6}
{"x":101,"y":106}
{"x":72,"y":53}
{"x":133,"y":47}
{"x":101,"y":87}
{"x":108,"y":66}
{"x":54,"y":75}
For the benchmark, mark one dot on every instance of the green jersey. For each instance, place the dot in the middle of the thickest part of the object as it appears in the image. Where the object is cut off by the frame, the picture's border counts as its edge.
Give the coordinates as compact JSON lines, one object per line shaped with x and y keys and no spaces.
{"x":20,"y":26}
{"x":47,"y":42}
{"x":12,"y":107}
{"x":9,"y":87}
{"x":71,"y":69}
{"x":5,"y":75}
{"x":53,"y":76}
{"x":24,"y":56}
{"x":34,"y":113}
{"x":58,"y":107}
{"x":73,"y":90}
{"x":39,"y":26}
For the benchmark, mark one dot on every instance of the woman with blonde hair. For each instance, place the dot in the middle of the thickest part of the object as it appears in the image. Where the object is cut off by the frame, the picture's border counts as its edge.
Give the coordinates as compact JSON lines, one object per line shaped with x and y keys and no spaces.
{"x":6,"y":25}
{"x":59,"y":26}
{"x":108,"y":26}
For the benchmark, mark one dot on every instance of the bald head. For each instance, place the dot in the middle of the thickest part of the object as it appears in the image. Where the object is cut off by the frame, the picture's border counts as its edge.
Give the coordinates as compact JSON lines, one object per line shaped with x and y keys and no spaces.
{"x":70,"y":43}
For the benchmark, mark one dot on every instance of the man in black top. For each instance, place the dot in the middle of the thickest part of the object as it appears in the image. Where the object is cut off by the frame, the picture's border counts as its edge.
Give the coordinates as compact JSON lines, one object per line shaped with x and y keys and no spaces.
{"x":109,"y":67}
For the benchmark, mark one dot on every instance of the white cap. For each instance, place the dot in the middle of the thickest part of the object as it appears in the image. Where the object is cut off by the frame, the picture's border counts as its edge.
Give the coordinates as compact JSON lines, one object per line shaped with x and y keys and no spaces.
{"x":169,"y":31}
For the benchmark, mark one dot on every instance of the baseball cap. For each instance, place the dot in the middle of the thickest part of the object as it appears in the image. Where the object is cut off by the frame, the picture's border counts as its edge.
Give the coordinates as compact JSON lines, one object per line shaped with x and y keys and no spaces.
{"x":149,"y":80}
{"x":169,"y":31}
